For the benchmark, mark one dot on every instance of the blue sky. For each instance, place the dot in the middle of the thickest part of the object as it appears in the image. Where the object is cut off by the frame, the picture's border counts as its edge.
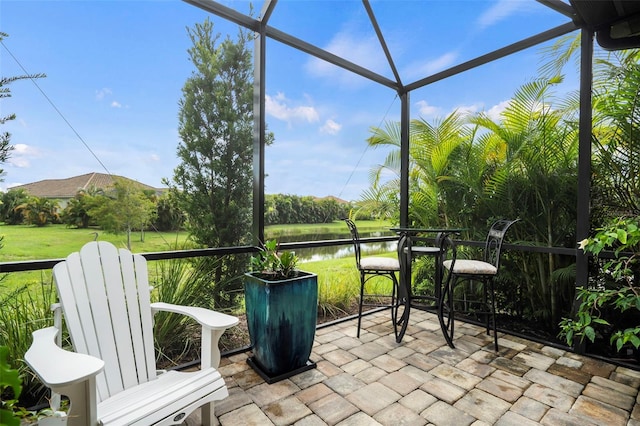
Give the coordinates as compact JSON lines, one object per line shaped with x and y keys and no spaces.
{"x":115,"y":70}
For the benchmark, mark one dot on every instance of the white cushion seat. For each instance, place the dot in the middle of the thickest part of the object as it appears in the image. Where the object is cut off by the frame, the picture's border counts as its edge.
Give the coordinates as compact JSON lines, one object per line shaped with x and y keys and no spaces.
{"x":379,"y":264}
{"x":471,"y":267}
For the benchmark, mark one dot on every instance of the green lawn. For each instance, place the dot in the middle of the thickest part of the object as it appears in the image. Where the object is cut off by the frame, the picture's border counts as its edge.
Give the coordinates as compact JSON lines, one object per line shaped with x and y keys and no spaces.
{"x":25,"y":242}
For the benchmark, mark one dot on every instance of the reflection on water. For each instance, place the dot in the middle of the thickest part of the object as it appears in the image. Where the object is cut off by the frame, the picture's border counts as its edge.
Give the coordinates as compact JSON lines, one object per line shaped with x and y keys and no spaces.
{"x":326,"y":253}
{"x":336,"y":252}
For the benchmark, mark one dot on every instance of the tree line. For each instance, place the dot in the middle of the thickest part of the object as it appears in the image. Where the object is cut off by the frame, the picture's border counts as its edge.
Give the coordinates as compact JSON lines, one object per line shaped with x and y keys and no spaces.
{"x":284,"y":209}
{"x":128,"y":207}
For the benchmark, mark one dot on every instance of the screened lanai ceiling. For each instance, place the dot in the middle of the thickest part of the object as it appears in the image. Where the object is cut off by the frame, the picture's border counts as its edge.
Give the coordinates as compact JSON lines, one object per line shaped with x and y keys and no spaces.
{"x":394,"y":58}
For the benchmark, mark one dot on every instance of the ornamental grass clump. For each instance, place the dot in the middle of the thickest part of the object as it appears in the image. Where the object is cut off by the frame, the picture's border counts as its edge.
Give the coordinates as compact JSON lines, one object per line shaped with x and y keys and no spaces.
{"x":616,"y":287}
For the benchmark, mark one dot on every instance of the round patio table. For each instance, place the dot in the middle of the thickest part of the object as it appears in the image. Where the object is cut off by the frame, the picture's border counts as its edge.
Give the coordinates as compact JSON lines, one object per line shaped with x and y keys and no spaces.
{"x":407,"y":250}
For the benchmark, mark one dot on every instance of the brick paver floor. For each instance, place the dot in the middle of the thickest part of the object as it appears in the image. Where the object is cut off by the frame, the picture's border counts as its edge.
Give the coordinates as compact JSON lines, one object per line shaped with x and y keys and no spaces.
{"x":421,"y":381}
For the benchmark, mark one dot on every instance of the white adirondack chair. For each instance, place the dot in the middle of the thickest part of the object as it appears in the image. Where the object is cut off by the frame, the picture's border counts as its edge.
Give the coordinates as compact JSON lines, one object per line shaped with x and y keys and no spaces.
{"x":111,"y":378}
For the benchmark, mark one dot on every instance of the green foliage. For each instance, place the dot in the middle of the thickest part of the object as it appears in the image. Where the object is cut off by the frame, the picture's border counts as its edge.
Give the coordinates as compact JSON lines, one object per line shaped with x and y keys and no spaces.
{"x":39,"y":211}
{"x":212,"y":184}
{"x":169,"y":216}
{"x":182,"y":282}
{"x":272,"y":264}
{"x":10,"y":200}
{"x":24,"y":310}
{"x":468,"y":170}
{"x":622,"y":236}
{"x":9,"y":378}
{"x":76,"y":213}
{"x":124,"y":209}
{"x":616,"y":136}
{"x":289,"y":209}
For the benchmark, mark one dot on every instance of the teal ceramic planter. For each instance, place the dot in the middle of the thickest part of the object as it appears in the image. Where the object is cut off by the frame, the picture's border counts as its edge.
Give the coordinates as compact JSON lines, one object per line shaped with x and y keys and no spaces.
{"x":281,"y":318}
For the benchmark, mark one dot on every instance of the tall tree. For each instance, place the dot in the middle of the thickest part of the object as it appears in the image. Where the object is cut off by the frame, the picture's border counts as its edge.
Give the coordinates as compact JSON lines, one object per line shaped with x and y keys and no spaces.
{"x":212,"y":184}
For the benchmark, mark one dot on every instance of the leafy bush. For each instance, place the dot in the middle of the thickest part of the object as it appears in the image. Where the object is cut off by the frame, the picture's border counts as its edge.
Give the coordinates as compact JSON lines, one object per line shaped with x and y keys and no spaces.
{"x":617,"y":288}
{"x":9,"y":379}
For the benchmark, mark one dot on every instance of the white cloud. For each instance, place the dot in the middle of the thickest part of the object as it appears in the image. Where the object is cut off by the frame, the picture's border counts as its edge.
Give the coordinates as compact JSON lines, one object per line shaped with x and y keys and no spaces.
{"x":432,"y":66}
{"x":155,"y":157}
{"x":495,"y":111}
{"x":22,"y":154}
{"x":331,"y":127}
{"x":279,"y":108}
{"x":361,"y":50}
{"x":498,"y":12}
{"x":468,"y":109}
{"x":100,"y":94}
{"x":116,"y":104}
{"x":428,"y":111}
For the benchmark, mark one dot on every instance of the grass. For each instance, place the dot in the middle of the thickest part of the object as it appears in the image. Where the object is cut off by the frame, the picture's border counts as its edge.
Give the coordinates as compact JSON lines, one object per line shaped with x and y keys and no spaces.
{"x":339,"y":284}
{"x":26,"y":242}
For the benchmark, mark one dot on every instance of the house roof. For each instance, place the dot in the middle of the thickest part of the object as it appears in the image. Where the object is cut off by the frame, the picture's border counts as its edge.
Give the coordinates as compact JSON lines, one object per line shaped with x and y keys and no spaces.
{"x":67,"y":188}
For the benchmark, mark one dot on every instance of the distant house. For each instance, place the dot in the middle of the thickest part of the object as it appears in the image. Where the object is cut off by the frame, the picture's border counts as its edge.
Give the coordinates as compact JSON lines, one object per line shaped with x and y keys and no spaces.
{"x":331,"y":197}
{"x":63,"y":190}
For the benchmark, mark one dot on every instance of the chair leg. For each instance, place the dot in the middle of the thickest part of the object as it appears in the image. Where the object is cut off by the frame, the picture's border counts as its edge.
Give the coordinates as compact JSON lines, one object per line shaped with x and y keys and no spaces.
{"x":207,"y":414}
{"x":394,"y":303}
{"x":362,"y":281}
{"x":485,"y":303}
{"x":493,"y":315}
{"x":446,"y":304}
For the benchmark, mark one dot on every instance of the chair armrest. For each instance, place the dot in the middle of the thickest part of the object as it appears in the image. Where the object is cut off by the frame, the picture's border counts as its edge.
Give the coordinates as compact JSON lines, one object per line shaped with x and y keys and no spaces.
{"x":55,"y":366}
{"x":206,"y":317}
{"x":213,"y":326}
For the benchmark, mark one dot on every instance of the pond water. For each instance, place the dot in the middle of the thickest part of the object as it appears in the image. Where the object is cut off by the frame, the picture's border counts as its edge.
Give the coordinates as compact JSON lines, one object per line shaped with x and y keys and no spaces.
{"x":337,"y":252}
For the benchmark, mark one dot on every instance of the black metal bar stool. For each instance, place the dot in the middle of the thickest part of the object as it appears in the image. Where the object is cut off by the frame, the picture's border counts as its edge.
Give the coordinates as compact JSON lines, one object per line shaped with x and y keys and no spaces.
{"x":483,"y":271}
{"x":372,"y":266}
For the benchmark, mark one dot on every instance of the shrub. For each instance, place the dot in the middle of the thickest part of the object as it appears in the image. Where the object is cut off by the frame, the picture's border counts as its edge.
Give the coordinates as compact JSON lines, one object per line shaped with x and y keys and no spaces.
{"x":615,"y":290}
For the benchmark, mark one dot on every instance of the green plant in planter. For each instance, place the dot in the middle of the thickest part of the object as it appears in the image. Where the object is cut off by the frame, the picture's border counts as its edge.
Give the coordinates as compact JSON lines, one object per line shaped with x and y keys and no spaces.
{"x":281,"y":305}
{"x":272,"y":264}
{"x":622,"y":236}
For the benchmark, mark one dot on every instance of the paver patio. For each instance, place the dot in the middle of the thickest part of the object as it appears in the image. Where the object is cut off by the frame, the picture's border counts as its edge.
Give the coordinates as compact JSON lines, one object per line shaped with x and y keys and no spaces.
{"x":421,"y":381}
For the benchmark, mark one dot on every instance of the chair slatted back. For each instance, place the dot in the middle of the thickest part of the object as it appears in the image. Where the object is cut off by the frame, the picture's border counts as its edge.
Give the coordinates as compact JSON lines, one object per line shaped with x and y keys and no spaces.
{"x":105,"y":298}
{"x":495,"y":238}
{"x":355,"y":237}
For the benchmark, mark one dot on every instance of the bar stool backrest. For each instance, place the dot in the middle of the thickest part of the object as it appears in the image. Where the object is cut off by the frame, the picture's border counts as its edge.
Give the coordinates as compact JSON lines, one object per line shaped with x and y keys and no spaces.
{"x":355,"y":237}
{"x":448,"y":253}
{"x":495,"y":238}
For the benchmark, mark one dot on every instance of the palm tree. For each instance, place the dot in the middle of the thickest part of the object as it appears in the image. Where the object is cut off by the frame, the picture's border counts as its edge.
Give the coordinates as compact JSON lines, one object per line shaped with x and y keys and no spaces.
{"x":432,"y":149}
{"x":537,"y":182}
{"x":39,"y":211}
{"x":616,"y":137}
